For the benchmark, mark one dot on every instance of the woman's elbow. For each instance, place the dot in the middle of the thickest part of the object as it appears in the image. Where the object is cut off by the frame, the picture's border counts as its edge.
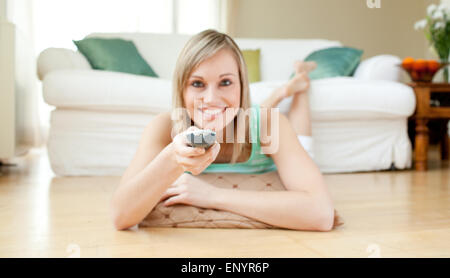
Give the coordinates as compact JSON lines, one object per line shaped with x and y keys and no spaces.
{"x":118,"y":218}
{"x":120,"y":223}
{"x":325,"y":220}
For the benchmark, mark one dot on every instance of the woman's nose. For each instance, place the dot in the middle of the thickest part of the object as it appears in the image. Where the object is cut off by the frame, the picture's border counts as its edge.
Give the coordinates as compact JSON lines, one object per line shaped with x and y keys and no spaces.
{"x":209,"y":94}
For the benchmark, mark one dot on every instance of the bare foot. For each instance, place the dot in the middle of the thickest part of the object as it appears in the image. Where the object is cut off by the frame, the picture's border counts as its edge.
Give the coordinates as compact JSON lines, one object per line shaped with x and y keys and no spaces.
{"x":300,"y":66}
{"x":300,"y":82}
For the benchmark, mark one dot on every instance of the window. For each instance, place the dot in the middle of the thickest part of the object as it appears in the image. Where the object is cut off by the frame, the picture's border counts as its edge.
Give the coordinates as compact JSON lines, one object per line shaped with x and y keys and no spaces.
{"x":58,"y":22}
{"x":196,"y":15}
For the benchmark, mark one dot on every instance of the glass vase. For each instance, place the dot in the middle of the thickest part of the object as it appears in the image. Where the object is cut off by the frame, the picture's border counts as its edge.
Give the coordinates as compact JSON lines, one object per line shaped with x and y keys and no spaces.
{"x":445,"y":69}
{"x":446,"y":74}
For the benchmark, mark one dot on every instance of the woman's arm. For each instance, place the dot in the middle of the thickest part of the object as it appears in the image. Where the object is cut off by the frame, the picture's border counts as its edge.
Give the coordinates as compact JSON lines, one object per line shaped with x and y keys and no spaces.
{"x":151,"y":171}
{"x":285,"y":209}
{"x":306,"y":205}
{"x":159,"y":161}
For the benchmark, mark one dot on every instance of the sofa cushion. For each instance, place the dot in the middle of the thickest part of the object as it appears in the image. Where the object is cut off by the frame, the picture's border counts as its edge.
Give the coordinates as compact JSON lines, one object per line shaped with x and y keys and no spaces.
{"x":159,"y":50}
{"x":277,"y":55}
{"x":186,"y":216}
{"x":380,"y":67}
{"x":343,"y":98}
{"x":114,"y":55}
{"x":251,"y":57}
{"x":340,"y":98}
{"x":334,"y":61}
{"x":330,"y":98}
{"x":54,"y":58}
{"x":107,"y":91}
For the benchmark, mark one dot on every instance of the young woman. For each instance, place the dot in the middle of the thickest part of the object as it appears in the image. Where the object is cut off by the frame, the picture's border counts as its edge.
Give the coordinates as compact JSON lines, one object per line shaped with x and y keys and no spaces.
{"x":210,"y":84}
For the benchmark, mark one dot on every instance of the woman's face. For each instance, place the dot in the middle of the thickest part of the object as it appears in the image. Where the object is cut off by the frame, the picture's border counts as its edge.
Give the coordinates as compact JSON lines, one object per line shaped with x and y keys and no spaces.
{"x":212,"y":89}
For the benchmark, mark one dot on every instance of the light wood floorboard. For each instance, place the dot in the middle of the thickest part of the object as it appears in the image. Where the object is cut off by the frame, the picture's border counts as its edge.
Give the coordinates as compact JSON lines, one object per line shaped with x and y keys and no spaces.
{"x":387,"y":214}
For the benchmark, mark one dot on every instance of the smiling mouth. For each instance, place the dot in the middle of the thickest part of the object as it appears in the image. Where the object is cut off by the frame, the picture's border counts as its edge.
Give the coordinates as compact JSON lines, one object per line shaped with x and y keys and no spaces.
{"x":211,"y":113}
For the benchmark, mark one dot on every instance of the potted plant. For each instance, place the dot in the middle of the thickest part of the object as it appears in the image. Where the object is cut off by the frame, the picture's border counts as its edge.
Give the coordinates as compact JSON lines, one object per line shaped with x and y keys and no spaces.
{"x":436,"y":26}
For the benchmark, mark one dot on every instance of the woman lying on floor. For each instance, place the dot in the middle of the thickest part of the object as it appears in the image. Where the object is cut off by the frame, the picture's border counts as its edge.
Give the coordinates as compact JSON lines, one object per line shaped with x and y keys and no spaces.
{"x":211,"y":79}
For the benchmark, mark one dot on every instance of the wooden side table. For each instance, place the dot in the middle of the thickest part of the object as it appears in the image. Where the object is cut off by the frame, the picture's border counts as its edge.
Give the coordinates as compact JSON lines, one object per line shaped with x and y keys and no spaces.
{"x":425,"y":112}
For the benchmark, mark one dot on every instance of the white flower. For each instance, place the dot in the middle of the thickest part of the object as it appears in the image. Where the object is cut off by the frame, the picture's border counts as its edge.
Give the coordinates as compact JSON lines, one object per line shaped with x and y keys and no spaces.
{"x":439,"y":25}
{"x":431,"y":9}
{"x":444,"y":8}
{"x":420,"y":24}
{"x":438,"y":15}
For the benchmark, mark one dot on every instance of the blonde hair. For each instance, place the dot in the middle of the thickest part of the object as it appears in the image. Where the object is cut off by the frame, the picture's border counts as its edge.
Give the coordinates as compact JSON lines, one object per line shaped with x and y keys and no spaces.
{"x":199,"y":48}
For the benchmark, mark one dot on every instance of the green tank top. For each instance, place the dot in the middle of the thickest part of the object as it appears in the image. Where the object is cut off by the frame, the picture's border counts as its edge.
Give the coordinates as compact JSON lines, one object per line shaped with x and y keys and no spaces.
{"x":258,"y":162}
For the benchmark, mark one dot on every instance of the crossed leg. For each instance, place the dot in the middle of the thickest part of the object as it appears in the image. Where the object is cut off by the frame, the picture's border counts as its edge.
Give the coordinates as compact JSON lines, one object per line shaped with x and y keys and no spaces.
{"x":299,"y":112}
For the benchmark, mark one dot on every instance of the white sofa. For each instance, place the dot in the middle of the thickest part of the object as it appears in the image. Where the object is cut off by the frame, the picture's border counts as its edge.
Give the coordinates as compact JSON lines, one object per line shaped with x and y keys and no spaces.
{"x":359,"y":123}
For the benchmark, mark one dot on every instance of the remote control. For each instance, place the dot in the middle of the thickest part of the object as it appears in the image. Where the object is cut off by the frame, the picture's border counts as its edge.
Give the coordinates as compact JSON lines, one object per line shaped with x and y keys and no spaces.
{"x":204,"y":138}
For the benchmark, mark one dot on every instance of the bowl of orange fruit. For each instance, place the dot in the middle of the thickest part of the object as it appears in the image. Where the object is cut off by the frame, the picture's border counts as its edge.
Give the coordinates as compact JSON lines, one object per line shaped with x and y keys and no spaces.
{"x":421,"y":70}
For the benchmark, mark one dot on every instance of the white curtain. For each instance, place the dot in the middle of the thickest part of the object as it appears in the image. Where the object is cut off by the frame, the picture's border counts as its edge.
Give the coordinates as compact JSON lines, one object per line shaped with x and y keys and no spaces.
{"x":30,"y":132}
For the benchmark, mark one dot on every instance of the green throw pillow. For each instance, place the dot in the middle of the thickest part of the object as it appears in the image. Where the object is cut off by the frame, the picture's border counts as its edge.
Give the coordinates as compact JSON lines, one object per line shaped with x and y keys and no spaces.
{"x":251,"y":58}
{"x":114,"y":55}
{"x":334,"y":61}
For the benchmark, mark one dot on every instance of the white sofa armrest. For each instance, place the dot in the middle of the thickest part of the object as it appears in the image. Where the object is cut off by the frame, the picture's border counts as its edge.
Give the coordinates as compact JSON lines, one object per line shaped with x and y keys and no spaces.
{"x":52,"y":59}
{"x":380,"y":67}
{"x":107,"y":91}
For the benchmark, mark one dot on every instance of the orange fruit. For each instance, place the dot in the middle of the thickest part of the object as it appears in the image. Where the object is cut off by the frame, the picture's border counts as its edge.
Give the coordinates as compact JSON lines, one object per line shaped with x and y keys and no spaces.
{"x":407,"y":63}
{"x":433,"y":66}
{"x":420,"y":65}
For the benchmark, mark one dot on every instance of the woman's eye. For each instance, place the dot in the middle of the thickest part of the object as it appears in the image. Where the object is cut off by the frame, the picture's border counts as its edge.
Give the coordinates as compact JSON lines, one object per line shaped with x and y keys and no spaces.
{"x":225,"y":82}
{"x":197,"y":84}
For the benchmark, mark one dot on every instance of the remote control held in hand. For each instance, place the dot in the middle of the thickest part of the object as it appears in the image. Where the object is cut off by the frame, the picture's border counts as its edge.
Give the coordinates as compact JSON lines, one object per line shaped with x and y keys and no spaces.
{"x":203,"y":138}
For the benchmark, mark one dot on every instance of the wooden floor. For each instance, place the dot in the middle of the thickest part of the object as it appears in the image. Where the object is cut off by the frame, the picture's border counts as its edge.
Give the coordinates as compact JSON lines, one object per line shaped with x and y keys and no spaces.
{"x":387,"y":214}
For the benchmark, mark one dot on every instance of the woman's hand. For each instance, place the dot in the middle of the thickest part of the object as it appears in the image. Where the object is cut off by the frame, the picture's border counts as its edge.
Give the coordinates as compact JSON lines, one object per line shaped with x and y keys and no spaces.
{"x":190,"y":190}
{"x":194,"y":160}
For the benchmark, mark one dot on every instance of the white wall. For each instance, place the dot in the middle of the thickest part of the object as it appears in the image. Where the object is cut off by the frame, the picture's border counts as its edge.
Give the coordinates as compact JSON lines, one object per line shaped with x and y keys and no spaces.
{"x":389,"y":29}
{"x":7,"y":96}
{"x":385,"y":30}
{"x":2,"y":9}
